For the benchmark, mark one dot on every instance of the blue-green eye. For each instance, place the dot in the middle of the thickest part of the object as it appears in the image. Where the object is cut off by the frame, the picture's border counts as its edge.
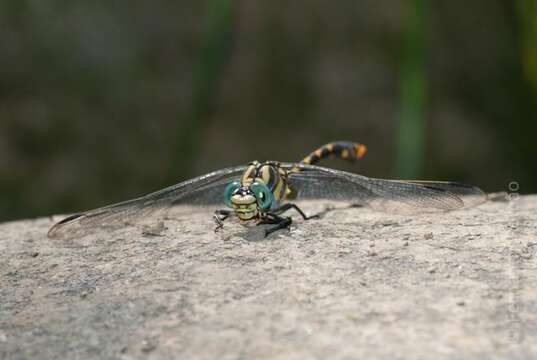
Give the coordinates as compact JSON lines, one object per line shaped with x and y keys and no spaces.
{"x":263,"y":195}
{"x":230,"y":189}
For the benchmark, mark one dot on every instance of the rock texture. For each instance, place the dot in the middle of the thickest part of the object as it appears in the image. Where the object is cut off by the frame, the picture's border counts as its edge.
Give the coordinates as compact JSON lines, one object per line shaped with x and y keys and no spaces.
{"x":354,"y":284}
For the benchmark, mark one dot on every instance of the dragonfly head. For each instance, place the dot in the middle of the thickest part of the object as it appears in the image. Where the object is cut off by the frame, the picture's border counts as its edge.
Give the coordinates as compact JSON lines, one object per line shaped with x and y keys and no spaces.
{"x":247,"y":201}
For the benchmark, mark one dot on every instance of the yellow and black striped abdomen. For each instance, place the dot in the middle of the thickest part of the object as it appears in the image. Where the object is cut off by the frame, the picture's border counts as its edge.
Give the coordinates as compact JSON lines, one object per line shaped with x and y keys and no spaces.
{"x":342,"y":149}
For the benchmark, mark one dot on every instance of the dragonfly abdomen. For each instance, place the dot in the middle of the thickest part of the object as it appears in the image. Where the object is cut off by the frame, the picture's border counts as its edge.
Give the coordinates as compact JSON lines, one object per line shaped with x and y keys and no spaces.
{"x":345,"y":150}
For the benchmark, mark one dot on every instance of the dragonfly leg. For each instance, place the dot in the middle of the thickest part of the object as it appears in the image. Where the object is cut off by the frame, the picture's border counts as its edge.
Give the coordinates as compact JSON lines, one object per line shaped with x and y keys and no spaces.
{"x":279,"y":223}
{"x":219,"y":216}
{"x":288,"y":206}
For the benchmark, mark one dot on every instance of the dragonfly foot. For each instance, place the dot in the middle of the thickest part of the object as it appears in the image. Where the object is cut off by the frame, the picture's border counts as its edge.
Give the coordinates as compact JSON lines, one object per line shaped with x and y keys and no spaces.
{"x":219,"y":223}
{"x":219,"y":216}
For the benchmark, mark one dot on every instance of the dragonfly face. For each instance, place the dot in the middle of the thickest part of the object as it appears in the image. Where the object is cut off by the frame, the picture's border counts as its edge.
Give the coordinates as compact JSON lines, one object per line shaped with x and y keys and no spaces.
{"x":248,"y":201}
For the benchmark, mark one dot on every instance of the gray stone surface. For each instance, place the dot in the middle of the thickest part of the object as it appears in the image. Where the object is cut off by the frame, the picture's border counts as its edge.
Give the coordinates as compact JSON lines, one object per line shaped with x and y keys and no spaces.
{"x":354,"y":284}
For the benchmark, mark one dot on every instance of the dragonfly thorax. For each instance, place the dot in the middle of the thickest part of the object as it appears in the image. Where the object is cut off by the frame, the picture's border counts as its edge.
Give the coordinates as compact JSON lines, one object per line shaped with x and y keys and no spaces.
{"x":269,"y":173}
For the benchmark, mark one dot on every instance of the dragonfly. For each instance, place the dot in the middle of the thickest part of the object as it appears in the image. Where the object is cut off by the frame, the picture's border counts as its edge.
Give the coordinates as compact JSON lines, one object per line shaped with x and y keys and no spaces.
{"x":262,"y":191}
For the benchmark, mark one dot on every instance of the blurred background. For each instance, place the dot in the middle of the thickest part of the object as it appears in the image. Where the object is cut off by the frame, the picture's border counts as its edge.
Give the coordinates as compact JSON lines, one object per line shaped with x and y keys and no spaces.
{"x":102,"y":101}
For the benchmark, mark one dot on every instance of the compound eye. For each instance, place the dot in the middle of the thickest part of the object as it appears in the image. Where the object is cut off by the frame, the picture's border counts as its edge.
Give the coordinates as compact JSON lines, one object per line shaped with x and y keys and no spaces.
{"x":230,"y":189}
{"x":262,"y":194}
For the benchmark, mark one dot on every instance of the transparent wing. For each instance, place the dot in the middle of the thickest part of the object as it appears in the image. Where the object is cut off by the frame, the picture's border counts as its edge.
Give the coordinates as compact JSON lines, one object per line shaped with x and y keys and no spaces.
{"x":203,"y":190}
{"x":395,"y":196}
